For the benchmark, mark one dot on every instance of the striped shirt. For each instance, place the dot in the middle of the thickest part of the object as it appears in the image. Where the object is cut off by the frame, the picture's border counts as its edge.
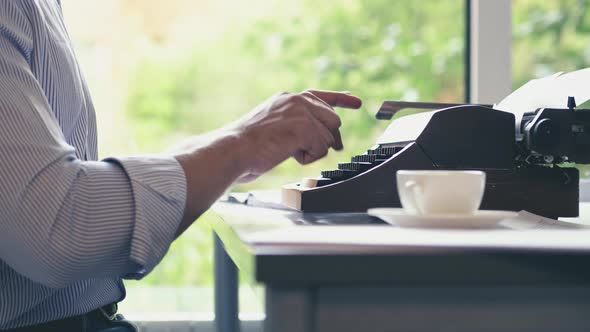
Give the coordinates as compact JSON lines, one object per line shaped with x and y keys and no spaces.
{"x":70,"y":226}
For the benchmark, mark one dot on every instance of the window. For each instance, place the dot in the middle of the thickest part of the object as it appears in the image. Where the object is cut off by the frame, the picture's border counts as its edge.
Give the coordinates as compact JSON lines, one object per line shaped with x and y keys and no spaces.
{"x":162,"y":71}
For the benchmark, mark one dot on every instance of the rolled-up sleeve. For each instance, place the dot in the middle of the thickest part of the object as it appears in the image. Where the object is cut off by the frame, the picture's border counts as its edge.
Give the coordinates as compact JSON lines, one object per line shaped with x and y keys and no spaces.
{"x":159,"y":188}
{"x":63,"y":219}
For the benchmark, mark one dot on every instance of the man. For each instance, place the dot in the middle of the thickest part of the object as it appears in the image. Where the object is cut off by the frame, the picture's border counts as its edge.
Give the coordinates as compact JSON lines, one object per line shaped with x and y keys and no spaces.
{"x":70,"y":226}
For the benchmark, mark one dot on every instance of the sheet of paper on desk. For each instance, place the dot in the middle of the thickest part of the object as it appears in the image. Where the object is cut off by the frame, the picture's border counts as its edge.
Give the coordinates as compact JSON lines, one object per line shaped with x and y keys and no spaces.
{"x":550,"y":91}
{"x":259,"y":198}
{"x":527,"y":220}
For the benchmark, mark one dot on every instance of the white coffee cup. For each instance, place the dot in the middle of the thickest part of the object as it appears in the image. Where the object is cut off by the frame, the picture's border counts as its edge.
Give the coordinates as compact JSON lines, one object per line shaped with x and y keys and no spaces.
{"x":440,"y":192}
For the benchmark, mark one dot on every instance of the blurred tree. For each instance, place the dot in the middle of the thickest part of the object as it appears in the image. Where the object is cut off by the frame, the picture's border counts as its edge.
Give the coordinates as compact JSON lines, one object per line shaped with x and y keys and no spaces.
{"x":378,"y":49}
{"x":549,"y":37}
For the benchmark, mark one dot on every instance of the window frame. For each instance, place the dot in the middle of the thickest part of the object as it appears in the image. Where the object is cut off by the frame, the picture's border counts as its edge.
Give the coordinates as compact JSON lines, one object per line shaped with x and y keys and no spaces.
{"x":488,"y":50}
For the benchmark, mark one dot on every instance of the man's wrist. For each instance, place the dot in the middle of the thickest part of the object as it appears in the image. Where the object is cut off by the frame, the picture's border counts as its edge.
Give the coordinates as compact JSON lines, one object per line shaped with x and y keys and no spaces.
{"x":238,"y":149}
{"x":209,"y":170}
{"x":226,"y":152}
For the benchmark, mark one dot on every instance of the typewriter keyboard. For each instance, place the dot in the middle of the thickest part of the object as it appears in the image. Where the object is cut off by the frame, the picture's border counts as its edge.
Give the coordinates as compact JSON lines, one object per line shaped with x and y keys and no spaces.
{"x":357,"y":165}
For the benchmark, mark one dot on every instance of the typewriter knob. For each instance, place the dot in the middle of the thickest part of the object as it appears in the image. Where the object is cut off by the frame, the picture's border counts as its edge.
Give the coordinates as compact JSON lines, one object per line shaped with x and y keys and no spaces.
{"x":544,"y":135}
{"x":571,"y":103}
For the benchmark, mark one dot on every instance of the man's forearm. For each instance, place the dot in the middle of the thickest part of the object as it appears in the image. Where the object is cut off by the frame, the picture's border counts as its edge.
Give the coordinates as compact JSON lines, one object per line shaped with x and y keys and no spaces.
{"x":303,"y":126}
{"x":209,"y":171}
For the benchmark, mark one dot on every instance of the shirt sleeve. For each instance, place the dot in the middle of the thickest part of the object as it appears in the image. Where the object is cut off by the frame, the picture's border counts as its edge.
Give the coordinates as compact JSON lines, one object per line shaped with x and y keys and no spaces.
{"x":63,"y":219}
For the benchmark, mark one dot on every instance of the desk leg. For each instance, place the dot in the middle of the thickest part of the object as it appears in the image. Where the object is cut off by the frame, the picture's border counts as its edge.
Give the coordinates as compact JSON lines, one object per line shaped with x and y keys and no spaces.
{"x":226,"y":290}
{"x":289,"y":309}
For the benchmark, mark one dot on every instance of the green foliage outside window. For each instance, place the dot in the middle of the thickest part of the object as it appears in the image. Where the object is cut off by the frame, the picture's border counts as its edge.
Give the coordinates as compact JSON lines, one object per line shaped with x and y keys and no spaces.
{"x":549,"y":37}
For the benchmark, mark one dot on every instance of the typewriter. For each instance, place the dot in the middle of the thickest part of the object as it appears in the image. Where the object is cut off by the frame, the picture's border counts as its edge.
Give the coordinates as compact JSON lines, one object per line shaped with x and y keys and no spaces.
{"x":525,"y":161}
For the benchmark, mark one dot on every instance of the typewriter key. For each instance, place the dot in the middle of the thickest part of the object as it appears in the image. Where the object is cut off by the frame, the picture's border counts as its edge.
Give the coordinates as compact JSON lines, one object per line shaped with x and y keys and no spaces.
{"x":339,"y":174}
{"x":387,"y":151}
{"x":355,"y":166}
{"x":369,"y":158}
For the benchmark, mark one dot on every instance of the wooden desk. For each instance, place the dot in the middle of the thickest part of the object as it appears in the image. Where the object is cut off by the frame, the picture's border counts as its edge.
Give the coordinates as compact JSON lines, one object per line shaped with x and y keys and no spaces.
{"x":375,"y":277}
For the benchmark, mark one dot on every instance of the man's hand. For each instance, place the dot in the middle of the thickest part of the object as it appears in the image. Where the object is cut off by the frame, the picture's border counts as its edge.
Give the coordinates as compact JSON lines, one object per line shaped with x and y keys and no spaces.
{"x":303,"y":126}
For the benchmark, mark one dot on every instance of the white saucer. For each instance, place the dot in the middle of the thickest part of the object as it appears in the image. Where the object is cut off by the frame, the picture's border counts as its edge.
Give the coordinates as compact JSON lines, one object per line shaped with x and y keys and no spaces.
{"x":479,"y":219}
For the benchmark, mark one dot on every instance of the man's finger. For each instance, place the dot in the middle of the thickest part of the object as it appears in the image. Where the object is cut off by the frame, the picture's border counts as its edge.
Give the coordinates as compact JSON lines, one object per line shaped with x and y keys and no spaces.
{"x":338,"y":99}
{"x":337,"y":141}
{"x":322,"y":131}
{"x":324,"y":114}
{"x":322,"y":111}
{"x":303,"y":157}
{"x":311,"y":145}
{"x":315,"y":98}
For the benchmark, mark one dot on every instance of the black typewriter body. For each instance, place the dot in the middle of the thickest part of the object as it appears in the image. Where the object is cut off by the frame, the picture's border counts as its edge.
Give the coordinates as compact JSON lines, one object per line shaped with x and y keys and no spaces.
{"x":520,"y":165}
